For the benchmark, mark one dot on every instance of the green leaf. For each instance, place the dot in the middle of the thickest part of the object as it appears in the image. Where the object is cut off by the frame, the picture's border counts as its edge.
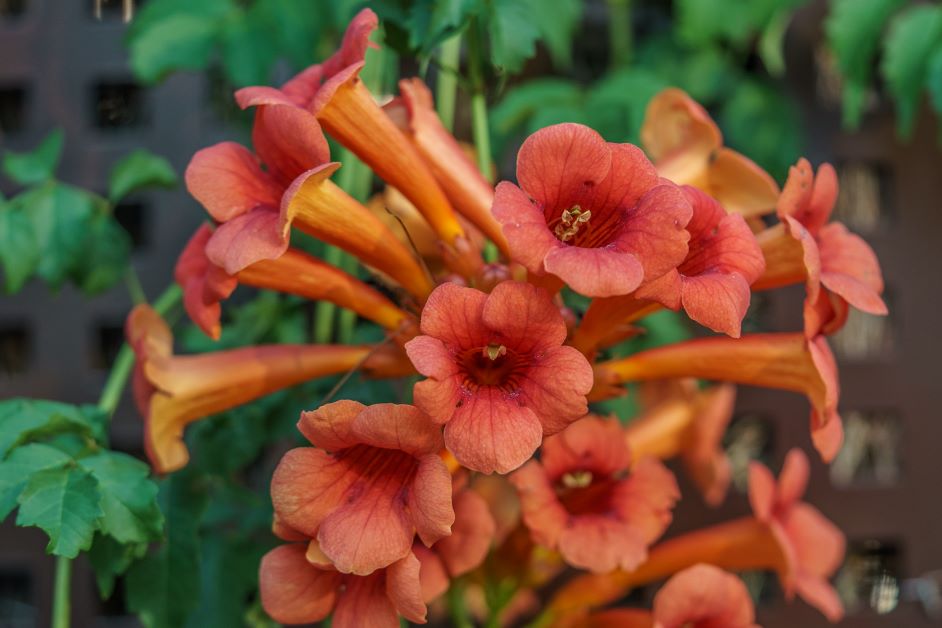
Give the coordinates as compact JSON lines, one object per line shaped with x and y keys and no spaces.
{"x":64,"y":503}
{"x":513,"y":33}
{"x":110,"y":559}
{"x":557,"y":21}
{"x":108,"y":250}
{"x":522,"y":102}
{"x":772,"y":43}
{"x":853,"y":30}
{"x":23,"y":420}
{"x":911,"y":39}
{"x":178,"y":42}
{"x":247,"y":50}
{"x":128,"y":497}
{"x":617,"y":103}
{"x":60,"y":215}
{"x":22,"y":463}
{"x":37,"y":165}
{"x":934,"y":80}
{"x":19,"y":252}
{"x":700,"y":22}
{"x":164,"y":587}
{"x":430,"y":22}
{"x":138,"y":170}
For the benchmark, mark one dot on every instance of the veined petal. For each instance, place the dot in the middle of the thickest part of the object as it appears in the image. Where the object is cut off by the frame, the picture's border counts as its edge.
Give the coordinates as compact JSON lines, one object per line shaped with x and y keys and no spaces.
{"x":850,"y":268}
{"x":741,"y":186}
{"x":492,"y":432}
{"x":679,"y":134}
{"x":471,"y":535}
{"x":292,"y":590}
{"x":227,"y":180}
{"x":655,"y":231}
{"x":330,"y":426}
{"x":524,"y":225}
{"x":557,"y":165}
{"x":289,"y":141}
{"x":397,"y":426}
{"x":430,"y":500}
{"x":601,"y":272}
{"x":454,"y":315}
{"x":523,"y":317}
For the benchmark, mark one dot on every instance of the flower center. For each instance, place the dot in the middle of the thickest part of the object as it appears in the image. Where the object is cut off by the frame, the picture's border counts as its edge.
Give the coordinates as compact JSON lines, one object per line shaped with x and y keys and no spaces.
{"x":583,"y":492}
{"x":492,"y":365}
{"x":570,"y":222}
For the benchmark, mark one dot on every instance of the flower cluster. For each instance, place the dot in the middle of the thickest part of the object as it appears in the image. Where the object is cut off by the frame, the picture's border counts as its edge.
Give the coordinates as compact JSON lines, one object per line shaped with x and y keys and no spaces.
{"x":498,"y":472}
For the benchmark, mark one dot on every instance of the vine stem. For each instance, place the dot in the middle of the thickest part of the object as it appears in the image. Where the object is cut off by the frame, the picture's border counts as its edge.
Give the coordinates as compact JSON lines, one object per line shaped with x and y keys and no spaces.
{"x":446,"y":86}
{"x":480,"y":128}
{"x":108,"y":403}
{"x":61,"y":604}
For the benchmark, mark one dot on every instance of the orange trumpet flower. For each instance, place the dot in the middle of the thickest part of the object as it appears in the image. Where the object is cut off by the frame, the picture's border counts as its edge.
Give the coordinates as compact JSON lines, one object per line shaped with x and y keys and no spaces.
{"x":692,"y":429}
{"x":463,"y":183}
{"x":295,"y":272}
{"x":173,"y":391}
{"x":785,"y":535}
{"x":786,"y":361}
{"x":687,"y":148}
{"x":335,"y":94}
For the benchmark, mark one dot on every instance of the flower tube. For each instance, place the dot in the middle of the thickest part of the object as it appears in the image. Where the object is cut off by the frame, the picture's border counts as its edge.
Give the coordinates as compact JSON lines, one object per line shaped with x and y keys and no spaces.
{"x":173,"y":391}
{"x":295,"y":272}
{"x":786,"y":361}
{"x":687,"y":148}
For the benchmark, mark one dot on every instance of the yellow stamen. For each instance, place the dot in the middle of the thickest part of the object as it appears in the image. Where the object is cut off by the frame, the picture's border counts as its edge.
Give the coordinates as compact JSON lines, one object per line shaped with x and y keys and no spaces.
{"x":494,"y":351}
{"x":570,"y":222}
{"x":577,"y":479}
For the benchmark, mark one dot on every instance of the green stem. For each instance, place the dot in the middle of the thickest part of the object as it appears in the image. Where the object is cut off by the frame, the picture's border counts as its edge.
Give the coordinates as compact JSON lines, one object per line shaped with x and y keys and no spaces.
{"x":324,"y":310}
{"x":447,"y":84}
{"x":456,"y":606}
{"x":61,"y":602}
{"x":135,"y":289}
{"x":619,"y":32}
{"x":480,"y":128}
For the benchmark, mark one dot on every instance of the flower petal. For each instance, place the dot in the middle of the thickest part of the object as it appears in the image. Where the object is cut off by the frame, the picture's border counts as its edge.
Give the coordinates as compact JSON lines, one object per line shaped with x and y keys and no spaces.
{"x":558,"y":164}
{"x":601,"y":272}
{"x":524,"y":226}
{"x":704,"y":595}
{"x":404,"y":588}
{"x":454,"y":315}
{"x":523,"y":317}
{"x":542,"y":511}
{"x":602,"y":544}
{"x":741,"y":186}
{"x":365,"y":602}
{"x":850,"y":268}
{"x":429,"y":500}
{"x":471,"y":535}
{"x":630,"y":177}
{"x":436,"y":398}
{"x":398,"y":426}
{"x":556,"y":386}
{"x":430,"y":357}
{"x":330,"y":426}
{"x":307,"y":486}
{"x":227,"y":180}
{"x":793,"y":479}
{"x":592,"y":444}
{"x":761,"y":491}
{"x":292,"y":590}
{"x":655,"y":230}
{"x":289,"y":141}
{"x":492,"y":432}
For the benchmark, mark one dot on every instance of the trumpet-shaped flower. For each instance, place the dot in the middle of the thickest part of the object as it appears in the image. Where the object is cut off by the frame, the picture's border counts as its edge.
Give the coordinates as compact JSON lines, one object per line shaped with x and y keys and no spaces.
{"x":787,"y":361}
{"x":691,"y":428}
{"x":687,"y":148}
{"x":173,"y":391}
{"x":702,"y":596}
{"x":712,"y":283}
{"x":371,"y":482}
{"x":581,"y":499}
{"x":295,"y":590}
{"x":498,"y":375}
{"x":591,"y":213}
{"x":812,"y":546}
{"x":827,"y":254}
{"x":335,"y":95}
{"x":295,"y":272}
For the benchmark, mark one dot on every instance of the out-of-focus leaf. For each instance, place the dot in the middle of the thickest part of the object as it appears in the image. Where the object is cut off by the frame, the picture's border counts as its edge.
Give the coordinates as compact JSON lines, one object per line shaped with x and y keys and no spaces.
{"x":110,"y":559}
{"x":63,"y":502}
{"x":700,"y":22}
{"x":299,"y":29}
{"x":27,"y":420}
{"x":912,"y":37}
{"x":128,"y":497}
{"x":164,"y":587}
{"x":108,"y":250}
{"x":522,"y":102}
{"x":247,"y":50}
{"x":557,"y":21}
{"x":37,"y":165}
{"x":432,"y":21}
{"x":764,"y":124}
{"x":513,"y":33}
{"x":23,"y":462}
{"x":152,"y":12}
{"x":178,"y":42}
{"x":934,"y":80}
{"x":19,"y":252}
{"x":772,"y":43}
{"x":138,"y":170}
{"x":616,"y":104}
{"x":853,"y":30}
{"x":60,"y":215}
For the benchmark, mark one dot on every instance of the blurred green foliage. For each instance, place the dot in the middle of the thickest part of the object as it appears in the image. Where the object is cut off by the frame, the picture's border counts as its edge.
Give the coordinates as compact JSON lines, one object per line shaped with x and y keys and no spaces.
{"x":59,"y":232}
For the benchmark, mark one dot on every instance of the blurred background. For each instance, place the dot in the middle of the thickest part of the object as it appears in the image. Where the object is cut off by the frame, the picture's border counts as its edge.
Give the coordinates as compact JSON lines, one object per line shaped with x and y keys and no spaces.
{"x":854,"y":82}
